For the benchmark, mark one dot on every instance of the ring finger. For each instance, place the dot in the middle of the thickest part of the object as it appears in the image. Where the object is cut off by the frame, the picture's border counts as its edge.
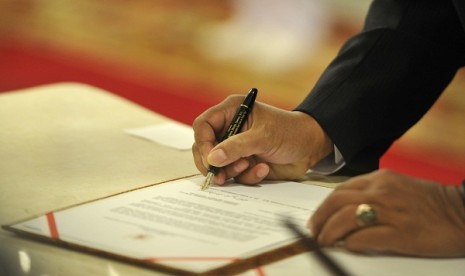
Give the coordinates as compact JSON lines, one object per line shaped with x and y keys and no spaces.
{"x":343,"y":223}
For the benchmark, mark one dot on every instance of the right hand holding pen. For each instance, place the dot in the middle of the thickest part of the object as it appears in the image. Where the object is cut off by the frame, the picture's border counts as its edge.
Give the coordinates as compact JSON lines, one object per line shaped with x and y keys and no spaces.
{"x":274,"y":144}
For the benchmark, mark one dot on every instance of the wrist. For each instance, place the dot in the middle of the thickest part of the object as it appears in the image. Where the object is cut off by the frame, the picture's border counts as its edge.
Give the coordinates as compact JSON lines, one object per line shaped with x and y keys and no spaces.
{"x":320,"y":145}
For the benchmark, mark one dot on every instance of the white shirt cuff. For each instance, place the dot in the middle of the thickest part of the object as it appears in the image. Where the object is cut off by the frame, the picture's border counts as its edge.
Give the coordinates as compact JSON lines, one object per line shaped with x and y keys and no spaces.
{"x":330,"y":164}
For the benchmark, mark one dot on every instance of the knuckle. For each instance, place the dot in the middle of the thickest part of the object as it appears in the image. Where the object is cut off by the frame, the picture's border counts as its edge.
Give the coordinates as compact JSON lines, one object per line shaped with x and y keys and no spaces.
{"x":384,"y":176}
{"x":197,"y":120}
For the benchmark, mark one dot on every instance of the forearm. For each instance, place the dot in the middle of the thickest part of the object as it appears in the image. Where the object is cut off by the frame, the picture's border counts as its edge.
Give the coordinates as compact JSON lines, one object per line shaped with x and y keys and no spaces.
{"x":385,"y":79}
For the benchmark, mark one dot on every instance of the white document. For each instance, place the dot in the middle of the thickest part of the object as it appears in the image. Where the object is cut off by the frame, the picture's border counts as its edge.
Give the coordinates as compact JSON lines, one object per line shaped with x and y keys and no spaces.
{"x":177,"y":224}
{"x":171,"y":134}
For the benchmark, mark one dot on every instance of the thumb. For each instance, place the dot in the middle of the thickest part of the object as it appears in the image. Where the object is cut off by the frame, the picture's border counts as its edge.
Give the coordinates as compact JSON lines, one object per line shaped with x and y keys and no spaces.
{"x":232,"y":149}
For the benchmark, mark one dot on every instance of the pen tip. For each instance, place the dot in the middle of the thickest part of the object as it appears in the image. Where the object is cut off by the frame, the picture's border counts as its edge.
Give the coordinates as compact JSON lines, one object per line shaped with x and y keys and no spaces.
{"x":207,"y":181}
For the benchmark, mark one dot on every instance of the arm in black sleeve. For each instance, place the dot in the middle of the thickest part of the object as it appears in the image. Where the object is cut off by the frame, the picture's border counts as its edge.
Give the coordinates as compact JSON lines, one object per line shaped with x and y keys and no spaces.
{"x":384,"y":79}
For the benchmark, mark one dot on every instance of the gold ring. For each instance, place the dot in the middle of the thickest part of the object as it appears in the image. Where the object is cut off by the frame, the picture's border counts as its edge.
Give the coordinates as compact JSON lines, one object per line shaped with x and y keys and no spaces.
{"x":366,"y":215}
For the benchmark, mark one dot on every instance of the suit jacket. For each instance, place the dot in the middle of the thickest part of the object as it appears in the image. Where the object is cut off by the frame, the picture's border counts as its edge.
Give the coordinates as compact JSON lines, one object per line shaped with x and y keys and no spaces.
{"x":460,"y":8}
{"x":385,"y":78}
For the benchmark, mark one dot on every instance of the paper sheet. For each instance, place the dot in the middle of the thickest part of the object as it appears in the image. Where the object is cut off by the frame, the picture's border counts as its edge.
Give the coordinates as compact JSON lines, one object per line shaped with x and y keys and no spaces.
{"x":171,"y":134}
{"x":177,"y":222}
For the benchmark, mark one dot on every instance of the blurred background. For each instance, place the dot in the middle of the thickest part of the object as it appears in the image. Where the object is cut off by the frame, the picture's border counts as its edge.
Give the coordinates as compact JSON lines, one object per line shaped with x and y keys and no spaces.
{"x":178,"y":57}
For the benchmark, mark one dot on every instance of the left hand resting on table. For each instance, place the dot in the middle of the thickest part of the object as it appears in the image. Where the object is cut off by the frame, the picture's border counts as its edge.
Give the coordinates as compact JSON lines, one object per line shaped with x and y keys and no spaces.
{"x":409,"y":217}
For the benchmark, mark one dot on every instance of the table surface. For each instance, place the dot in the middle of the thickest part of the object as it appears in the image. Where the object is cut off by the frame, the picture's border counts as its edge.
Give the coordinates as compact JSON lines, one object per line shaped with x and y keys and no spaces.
{"x":64,"y":144}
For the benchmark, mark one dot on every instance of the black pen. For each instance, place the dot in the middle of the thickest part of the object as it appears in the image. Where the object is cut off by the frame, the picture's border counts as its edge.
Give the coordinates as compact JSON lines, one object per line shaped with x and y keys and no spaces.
{"x":312,"y":245}
{"x":236,"y":125}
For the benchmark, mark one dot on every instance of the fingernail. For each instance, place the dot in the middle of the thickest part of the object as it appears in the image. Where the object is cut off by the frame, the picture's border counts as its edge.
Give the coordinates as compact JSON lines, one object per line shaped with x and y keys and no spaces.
{"x":216,"y":157}
{"x":262,"y":172}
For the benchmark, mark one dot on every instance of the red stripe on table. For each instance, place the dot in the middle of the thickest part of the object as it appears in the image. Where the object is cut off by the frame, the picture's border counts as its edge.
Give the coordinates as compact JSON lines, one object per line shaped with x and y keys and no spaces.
{"x":52,"y":226}
{"x":260,"y":271}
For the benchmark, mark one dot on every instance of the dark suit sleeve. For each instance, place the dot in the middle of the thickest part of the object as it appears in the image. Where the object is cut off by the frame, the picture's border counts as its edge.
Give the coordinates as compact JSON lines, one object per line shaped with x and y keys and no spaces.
{"x":384,"y":79}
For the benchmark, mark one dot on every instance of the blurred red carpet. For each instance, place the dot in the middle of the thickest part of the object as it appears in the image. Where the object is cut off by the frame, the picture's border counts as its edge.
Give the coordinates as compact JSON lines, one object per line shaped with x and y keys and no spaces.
{"x":22,"y":66}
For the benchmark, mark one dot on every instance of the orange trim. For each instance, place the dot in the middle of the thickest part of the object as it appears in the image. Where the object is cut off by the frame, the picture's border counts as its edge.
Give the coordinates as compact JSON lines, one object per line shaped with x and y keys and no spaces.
{"x":260,"y":271}
{"x":52,"y":226}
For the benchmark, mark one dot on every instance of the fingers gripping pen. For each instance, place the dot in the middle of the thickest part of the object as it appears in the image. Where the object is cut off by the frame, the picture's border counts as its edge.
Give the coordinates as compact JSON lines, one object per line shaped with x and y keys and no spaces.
{"x":236,"y":125}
